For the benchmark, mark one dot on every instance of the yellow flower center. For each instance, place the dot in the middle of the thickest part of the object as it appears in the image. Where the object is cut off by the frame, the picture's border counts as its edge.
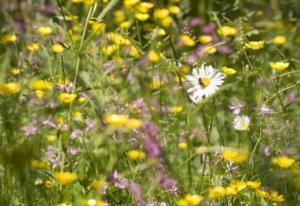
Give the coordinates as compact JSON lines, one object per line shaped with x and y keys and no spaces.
{"x":204,"y":81}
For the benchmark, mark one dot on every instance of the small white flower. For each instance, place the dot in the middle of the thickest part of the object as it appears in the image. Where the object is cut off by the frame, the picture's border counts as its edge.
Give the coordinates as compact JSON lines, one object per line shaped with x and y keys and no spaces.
{"x":241,"y":123}
{"x":204,"y":81}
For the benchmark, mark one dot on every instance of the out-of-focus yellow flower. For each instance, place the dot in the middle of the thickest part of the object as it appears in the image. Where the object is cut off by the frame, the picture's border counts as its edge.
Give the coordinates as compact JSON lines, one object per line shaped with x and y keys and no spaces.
{"x":279,"y":66}
{"x":216,"y":192}
{"x":125,"y":24}
{"x":89,"y":2}
{"x":15,"y":71}
{"x":190,"y":200}
{"x":98,"y":27}
{"x":51,"y":138}
{"x":255,"y":45}
{"x":65,"y":178}
{"x":48,"y":184}
{"x":77,"y":115}
{"x":182,"y":145}
{"x":155,"y":84}
{"x":34,"y":46}
{"x":57,"y":48}
{"x":210,"y":50}
{"x":144,"y":7}
{"x":279,"y":39}
{"x":130,"y":3}
{"x":116,"y":120}
{"x":119,"y":16}
{"x":10,"y":88}
{"x":41,"y":85}
{"x":67,"y":98}
{"x":226,"y":31}
{"x":44,"y":30}
{"x":98,"y":184}
{"x":133,"y":123}
{"x":283,"y":162}
{"x":228,"y":71}
{"x":262,"y":193}
{"x":253,"y":184}
{"x":234,"y":156}
{"x":176,"y":109}
{"x":159,"y":31}
{"x":238,"y":185}
{"x":76,"y":1}
{"x":153,"y":56}
{"x":161,"y":13}
{"x":187,"y":41}
{"x":8,"y":38}
{"x":71,"y":17}
{"x":205,"y":39}
{"x":136,"y":154}
{"x":93,"y":202}
{"x":174,"y":9}
{"x":39,"y":93}
{"x":37,"y":164}
{"x":141,"y":16}
{"x":167,"y":21}
{"x":275,"y":197}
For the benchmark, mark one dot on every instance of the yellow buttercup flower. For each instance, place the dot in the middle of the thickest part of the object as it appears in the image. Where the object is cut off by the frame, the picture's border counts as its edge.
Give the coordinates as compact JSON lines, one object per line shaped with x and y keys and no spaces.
{"x":255,"y":45}
{"x":48,"y":184}
{"x":174,"y":9}
{"x":116,"y":120}
{"x":228,"y":71}
{"x":8,"y":38}
{"x":161,"y":13}
{"x":67,"y":98}
{"x":155,"y":84}
{"x":130,"y":3}
{"x":51,"y":138}
{"x":234,"y":156}
{"x":283,"y":162}
{"x":57,"y":48}
{"x":216,"y":192}
{"x":153,"y":56}
{"x":279,"y":66}
{"x":133,"y":123}
{"x":253,"y":184}
{"x":144,"y":7}
{"x":93,"y":202}
{"x":71,"y":17}
{"x":98,"y":184}
{"x":226,"y":31}
{"x":136,"y":154}
{"x":176,"y":109}
{"x":210,"y":50}
{"x":65,"y":178}
{"x":275,"y":197}
{"x":190,"y":200}
{"x":141,"y":16}
{"x":44,"y":30}
{"x":280,"y":39}
{"x":39,"y":93}
{"x":10,"y":88}
{"x":187,"y":41}
{"x":205,"y":39}
{"x":15,"y":71}
{"x":41,"y":85}
{"x":182,"y":145}
{"x":33,"y":46}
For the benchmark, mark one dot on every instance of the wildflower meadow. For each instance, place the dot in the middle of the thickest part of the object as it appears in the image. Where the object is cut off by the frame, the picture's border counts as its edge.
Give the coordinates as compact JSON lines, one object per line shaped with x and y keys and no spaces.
{"x":149,"y":103}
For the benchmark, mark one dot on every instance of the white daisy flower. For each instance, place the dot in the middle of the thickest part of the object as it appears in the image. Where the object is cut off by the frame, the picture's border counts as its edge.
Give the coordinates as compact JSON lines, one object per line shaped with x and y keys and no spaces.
{"x":241,"y":123}
{"x":205,"y":81}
